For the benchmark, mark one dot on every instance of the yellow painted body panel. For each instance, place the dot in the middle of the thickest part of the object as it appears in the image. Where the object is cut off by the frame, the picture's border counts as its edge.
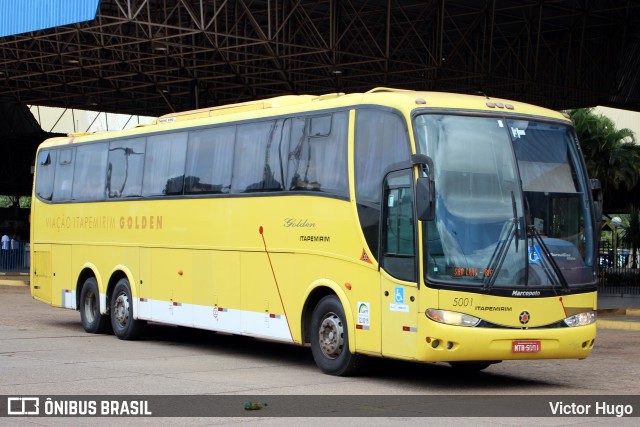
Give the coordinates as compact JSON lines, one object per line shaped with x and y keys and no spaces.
{"x":201,"y":259}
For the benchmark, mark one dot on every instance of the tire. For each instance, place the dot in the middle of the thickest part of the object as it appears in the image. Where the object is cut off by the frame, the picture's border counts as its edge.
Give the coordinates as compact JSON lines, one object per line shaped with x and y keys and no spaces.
{"x":124,"y":325}
{"x":92,"y":321}
{"x":330,"y":339}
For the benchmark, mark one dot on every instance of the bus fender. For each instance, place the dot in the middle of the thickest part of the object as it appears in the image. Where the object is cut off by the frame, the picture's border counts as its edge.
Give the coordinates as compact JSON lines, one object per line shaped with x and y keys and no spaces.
{"x":344,"y":300}
{"x":102,"y":290}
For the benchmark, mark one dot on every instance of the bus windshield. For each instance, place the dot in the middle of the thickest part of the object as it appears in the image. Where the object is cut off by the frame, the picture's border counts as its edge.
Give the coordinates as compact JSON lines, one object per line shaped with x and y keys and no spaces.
{"x":511,"y":207}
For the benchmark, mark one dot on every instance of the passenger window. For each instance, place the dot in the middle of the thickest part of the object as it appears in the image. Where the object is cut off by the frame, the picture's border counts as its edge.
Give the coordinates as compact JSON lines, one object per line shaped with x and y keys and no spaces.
{"x":64,"y":175}
{"x":89,"y":175}
{"x":210,"y":160}
{"x":45,"y":170}
{"x":165,"y":162}
{"x":318,"y":154}
{"x":256,"y":164}
{"x":125,"y":168}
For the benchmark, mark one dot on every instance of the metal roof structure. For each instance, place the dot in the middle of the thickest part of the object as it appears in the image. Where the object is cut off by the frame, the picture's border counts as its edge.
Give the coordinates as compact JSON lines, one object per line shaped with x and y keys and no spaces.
{"x":151,"y":57}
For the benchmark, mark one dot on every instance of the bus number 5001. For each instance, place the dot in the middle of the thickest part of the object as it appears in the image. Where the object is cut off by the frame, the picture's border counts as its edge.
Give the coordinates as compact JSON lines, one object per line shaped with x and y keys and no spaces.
{"x":462,"y":302}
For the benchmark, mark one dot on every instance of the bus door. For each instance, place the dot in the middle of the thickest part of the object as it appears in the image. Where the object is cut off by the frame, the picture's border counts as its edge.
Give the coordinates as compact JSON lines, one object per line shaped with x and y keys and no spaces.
{"x":398,"y":266}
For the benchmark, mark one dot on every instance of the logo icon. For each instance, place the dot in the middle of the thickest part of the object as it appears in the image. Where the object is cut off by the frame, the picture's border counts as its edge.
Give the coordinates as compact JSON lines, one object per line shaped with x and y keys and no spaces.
{"x":535,"y":255}
{"x":23,"y":406}
{"x":363,"y":315}
{"x":399,"y":295}
{"x":525,"y":317}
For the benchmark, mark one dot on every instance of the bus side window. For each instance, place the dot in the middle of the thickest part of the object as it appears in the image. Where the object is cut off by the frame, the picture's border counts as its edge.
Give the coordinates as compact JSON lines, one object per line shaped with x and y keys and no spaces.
{"x":46,"y":167}
{"x":256,"y":164}
{"x":64,"y":175}
{"x":210,"y":160}
{"x":381,"y":140}
{"x":89,"y":174}
{"x":318,"y":154}
{"x":125,"y":167}
{"x":165,"y":162}
{"x":398,"y":236}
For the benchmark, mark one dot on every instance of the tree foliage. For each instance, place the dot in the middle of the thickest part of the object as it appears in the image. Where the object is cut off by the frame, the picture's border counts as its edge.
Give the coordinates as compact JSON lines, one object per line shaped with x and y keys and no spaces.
{"x":611,"y":154}
{"x":12,"y":201}
{"x":630,"y":234}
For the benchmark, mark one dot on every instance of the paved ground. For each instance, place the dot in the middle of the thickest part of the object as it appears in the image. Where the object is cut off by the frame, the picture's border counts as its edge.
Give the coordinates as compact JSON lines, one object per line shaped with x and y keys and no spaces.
{"x":44,"y":351}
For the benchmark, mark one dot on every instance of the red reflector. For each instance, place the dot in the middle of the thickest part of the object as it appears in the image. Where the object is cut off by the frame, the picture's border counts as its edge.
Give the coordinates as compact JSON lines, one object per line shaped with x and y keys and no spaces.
{"x":406,"y":328}
{"x":271,"y":315}
{"x":358,"y":326}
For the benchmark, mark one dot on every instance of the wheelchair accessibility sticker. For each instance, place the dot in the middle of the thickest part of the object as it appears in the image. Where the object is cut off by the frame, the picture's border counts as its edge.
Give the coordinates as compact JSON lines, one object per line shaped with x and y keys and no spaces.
{"x":535,"y":256}
{"x":399,"y":295}
{"x":398,"y":301}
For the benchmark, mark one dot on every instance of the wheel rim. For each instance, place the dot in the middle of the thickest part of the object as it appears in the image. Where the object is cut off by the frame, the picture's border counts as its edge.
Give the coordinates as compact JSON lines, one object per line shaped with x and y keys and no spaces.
{"x":121,"y":309}
{"x":90,"y":305}
{"x":331,"y":335}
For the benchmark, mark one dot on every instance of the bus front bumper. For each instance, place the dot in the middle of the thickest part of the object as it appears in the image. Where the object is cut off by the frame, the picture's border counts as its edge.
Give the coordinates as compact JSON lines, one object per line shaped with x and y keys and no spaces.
{"x":447,"y":343}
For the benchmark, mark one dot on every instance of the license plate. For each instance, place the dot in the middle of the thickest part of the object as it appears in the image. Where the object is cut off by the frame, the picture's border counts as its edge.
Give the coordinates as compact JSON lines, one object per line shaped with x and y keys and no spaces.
{"x":529,"y":346}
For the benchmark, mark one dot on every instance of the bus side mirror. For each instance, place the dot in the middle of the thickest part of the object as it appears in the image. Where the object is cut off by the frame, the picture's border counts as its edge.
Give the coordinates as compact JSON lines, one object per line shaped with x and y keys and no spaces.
{"x":425,"y":188}
{"x":425,"y":196}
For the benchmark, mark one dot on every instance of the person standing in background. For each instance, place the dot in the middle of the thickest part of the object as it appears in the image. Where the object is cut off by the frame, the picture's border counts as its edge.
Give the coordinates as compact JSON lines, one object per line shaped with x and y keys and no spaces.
{"x":5,"y":250}
{"x":14,"y":254}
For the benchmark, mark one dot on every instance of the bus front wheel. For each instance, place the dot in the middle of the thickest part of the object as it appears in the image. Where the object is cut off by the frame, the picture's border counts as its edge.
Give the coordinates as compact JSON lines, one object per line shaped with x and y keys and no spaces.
{"x":92,"y":321}
{"x":124,"y":325}
{"x":330,"y":338}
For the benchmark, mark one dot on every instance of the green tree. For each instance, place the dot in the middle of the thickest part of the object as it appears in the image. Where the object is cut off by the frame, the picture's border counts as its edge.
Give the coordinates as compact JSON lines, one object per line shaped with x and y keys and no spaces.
{"x":610,"y":154}
{"x":630,"y":233}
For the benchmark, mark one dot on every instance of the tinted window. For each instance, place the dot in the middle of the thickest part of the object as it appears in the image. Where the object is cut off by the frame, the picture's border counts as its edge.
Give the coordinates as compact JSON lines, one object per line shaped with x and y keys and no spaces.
{"x":381,"y":140}
{"x":46,"y":167}
{"x":64,"y":175}
{"x":125,"y":168}
{"x":164,"y":164}
{"x":318,"y":161}
{"x":209,"y":160}
{"x":398,"y":239}
{"x":257,"y":162}
{"x":89,"y":175}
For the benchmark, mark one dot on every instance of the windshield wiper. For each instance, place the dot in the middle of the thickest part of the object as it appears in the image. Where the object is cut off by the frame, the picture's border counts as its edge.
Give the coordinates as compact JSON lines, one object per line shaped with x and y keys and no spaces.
{"x":547,"y":259}
{"x":498,"y":257}
{"x":516,"y":220}
{"x":500,"y":253}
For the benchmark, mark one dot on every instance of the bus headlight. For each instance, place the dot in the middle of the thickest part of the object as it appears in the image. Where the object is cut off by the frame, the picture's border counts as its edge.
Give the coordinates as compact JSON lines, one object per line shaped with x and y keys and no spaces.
{"x":581,"y":319}
{"x":451,"y":317}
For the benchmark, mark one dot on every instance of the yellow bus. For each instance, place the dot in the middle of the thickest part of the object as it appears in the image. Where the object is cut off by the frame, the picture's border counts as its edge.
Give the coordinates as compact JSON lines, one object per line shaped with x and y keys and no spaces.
{"x":420,"y":226}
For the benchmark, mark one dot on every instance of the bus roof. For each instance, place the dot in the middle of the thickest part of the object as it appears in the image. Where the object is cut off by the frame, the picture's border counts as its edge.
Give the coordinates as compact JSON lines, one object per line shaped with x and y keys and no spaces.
{"x":403,"y":100}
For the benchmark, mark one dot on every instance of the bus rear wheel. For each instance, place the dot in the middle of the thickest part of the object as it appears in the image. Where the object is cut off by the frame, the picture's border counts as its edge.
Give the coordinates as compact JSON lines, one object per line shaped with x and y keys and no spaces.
{"x":92,"y":321}
{"x":330,"y":338}
{"x":124,"y":325}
